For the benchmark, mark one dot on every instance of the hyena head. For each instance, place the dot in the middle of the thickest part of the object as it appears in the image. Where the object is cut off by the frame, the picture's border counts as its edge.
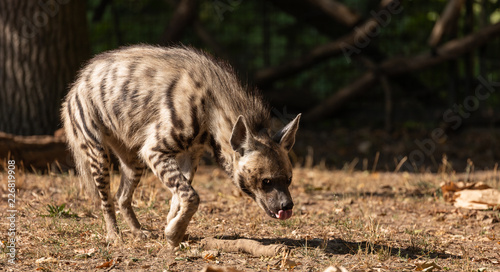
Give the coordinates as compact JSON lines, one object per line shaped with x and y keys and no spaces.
{"x":262,"y":168}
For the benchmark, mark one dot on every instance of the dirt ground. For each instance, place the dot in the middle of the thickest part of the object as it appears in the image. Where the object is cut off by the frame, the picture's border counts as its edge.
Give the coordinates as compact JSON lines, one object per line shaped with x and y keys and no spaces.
{"x":361,"y":220}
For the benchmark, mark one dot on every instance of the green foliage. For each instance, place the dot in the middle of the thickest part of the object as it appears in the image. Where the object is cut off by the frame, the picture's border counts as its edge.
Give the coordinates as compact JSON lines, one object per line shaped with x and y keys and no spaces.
{"x":258,"y":34}
{"x":58,"y":211}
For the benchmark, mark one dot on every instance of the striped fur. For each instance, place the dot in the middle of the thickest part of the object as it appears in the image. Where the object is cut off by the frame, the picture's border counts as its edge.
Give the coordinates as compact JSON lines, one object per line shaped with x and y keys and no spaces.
{"x":161,"y":108}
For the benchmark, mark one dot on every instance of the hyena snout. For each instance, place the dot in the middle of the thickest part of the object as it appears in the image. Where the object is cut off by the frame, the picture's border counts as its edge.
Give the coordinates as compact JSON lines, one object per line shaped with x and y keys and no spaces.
{"x":282,"y":206}
{"x":287,"y":204}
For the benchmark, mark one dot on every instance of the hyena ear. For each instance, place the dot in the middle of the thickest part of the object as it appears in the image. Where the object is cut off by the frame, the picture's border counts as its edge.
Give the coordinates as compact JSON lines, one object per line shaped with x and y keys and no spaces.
{"x":240,"y":137}
{"x":286,"y":136}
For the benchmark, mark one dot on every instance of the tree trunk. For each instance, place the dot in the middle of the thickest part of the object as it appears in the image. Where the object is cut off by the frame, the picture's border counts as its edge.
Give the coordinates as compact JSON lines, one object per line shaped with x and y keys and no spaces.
{"x":42,"y":45}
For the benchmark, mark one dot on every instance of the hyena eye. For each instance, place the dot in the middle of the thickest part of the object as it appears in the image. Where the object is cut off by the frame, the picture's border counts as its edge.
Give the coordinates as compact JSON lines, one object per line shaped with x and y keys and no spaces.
{"x":266,"y":181}
{"x":289,"y":181}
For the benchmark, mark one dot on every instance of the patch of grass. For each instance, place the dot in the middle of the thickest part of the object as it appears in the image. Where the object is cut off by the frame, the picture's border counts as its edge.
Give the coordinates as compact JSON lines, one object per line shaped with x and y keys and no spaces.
{"x":58,"y":211}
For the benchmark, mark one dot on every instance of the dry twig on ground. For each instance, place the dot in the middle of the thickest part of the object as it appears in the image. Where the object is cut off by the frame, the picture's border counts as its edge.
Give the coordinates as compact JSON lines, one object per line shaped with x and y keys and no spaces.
{"x":243,"y":245}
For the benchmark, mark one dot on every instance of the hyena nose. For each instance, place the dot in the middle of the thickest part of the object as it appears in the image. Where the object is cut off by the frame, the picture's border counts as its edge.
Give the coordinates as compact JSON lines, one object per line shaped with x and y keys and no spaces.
{"x":287,"y":205}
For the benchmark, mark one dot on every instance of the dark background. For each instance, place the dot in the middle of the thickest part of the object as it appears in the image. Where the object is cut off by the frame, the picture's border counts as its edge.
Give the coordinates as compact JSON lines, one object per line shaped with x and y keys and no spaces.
{"x":400,"y":96}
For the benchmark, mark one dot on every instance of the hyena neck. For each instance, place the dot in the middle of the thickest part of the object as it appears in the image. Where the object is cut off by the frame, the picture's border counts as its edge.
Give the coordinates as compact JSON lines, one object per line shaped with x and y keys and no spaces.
{"x":224,"y":154}
{"x":226,"y":101}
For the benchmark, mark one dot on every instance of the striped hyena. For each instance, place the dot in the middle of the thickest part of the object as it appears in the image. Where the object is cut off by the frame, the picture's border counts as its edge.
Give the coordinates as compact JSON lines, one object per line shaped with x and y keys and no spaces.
{"x":161,"y":108}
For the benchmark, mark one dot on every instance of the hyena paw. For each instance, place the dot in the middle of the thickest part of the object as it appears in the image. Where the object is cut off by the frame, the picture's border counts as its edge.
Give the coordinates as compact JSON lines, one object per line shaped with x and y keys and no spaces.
{"x":173,"y":239}
{"x":113,"y":237}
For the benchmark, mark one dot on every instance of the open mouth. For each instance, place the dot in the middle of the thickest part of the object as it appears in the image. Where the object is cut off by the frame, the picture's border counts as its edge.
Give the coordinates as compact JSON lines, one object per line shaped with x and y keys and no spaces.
{"x":281,"y":215}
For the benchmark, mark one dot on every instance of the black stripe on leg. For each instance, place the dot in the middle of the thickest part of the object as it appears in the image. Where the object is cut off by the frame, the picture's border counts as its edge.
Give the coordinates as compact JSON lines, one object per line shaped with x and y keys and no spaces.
{"x":103,"y":195}
{"x":157,"y":162}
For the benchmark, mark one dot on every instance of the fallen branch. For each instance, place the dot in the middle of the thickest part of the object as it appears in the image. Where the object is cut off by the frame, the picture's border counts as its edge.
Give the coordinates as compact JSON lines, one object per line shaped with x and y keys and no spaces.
{"x":338,"y":11}
{"x":322,"y":53}
{"x":448,"y":18}
{"x":35,"y":151}
{"x":398,"y":66}
{"x":243,"y":245}
{"x":316,"y":55}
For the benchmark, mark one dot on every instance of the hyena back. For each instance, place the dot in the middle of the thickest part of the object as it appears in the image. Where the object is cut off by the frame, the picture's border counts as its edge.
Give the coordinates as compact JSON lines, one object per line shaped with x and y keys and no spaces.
{"x":161,"y":108}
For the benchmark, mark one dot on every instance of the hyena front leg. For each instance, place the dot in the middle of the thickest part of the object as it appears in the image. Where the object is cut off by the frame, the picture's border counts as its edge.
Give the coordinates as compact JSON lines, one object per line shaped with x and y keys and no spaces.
{"x":185,"y":199}
{"x":99,"y":166}
{"x":188,"y":163}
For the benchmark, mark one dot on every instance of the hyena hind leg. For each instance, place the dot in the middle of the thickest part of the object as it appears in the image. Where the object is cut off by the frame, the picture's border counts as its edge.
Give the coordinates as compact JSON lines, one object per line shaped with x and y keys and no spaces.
{"x":99,"y":168}
{"x":131,"y":173}
{"x":131,"y":169}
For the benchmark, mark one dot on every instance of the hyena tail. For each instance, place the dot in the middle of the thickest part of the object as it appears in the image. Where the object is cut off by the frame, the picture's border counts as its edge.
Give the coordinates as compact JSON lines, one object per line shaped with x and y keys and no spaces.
{"x":72,"y":127}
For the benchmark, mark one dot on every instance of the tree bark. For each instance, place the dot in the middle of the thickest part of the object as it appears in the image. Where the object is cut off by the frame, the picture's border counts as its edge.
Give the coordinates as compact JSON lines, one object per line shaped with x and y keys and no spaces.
{"x":36,"y":152}
{"x":42,"y":45}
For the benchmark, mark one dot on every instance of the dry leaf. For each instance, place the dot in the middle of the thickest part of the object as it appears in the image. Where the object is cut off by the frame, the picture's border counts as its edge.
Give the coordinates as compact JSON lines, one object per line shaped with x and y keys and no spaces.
{"x":210,"y":268}
{"x":427,"y":266}
{"x":82,"y":253}
{"x":479,"y":260}
{"x":46,"y":260}
{"x":478,"y":199}
{"x":289,"y":264}
{"x":471,"y":195}
{"x":105,"y":264}
{"x":336,"y":269}
{"x":209,"y":257}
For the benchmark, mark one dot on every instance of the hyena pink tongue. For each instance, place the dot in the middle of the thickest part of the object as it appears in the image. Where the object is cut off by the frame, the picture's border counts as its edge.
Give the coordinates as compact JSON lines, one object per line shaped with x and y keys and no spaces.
{"x":283,"y":215}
